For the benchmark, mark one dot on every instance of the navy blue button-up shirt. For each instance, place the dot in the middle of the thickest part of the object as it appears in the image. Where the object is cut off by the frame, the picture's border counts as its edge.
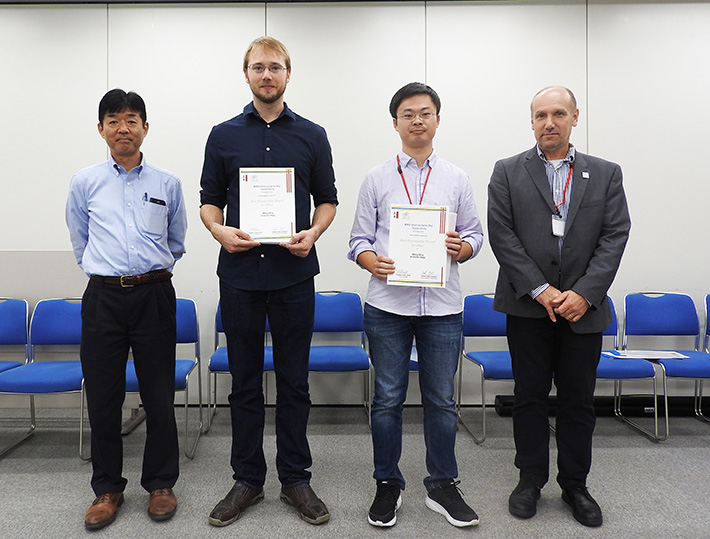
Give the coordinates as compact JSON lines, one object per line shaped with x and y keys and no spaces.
{"x":248,"y":141}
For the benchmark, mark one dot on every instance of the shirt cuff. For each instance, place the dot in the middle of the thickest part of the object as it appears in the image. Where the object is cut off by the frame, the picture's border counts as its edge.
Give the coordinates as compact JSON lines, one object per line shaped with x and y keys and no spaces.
{"x":539,"y":290}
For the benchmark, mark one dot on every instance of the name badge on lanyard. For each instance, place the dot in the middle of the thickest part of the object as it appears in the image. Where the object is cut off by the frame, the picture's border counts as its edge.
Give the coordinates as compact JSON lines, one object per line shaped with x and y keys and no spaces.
{"x":558,"y":226}
{"x":558,"y":222}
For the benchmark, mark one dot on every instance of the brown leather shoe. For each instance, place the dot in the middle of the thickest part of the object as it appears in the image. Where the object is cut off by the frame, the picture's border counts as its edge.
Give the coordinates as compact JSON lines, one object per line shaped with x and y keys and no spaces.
{"x":162,"y":504}
{"x":310,"y":507}
{"x":231,"y":507}
{"x":103,"y":510}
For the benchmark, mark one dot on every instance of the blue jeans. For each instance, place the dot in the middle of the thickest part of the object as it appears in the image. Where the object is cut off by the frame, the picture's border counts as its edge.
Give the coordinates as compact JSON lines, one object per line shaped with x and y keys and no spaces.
{"x":438,"y":340}
{"x":290,"y":313}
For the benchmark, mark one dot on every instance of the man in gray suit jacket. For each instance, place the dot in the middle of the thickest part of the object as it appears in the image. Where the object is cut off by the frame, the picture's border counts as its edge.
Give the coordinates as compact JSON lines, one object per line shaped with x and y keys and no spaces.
{"x":558,"y":224}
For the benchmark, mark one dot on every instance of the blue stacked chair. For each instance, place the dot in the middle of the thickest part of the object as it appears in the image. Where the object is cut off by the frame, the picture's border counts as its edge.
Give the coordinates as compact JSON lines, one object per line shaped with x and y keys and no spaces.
{"x":55,"y":323}
{"x":661,"y":314}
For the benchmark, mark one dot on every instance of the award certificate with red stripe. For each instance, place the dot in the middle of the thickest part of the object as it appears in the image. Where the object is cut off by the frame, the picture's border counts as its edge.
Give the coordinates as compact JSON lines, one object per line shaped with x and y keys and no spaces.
{"x":267,"y":206}
{"x":417,"y":245}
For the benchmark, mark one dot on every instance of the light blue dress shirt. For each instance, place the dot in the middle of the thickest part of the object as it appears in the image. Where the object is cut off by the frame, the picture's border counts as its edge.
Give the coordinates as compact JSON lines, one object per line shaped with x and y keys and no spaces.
{"x":126,"y":223}
{"x":557,"y":178}
{"x":448,"y":186}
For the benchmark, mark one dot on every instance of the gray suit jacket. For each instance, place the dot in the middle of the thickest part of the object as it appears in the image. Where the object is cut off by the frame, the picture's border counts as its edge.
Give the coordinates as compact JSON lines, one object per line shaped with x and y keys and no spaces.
{"x":520,"y":208}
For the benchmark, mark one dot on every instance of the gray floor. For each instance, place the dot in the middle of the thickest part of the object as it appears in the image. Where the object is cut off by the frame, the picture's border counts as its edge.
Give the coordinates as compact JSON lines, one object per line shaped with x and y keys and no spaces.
{"x":646,"y":490}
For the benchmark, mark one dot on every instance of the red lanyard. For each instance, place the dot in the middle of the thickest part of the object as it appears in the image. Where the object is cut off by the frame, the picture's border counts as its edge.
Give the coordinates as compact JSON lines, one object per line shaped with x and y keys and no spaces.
{"x":399,"y":169}
{"x":564,"y":191}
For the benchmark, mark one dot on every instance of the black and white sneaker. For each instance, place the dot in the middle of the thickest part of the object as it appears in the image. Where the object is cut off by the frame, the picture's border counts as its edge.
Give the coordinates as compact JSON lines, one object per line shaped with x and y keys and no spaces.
{"x":446,"y":499}
{"x":383,"y":511}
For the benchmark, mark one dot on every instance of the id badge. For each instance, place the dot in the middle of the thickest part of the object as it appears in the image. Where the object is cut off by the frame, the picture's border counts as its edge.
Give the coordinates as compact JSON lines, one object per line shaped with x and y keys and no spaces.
{"x":558,"y":226}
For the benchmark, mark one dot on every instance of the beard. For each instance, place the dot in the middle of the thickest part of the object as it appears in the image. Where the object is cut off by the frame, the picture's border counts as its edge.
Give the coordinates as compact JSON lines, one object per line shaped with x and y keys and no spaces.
{"x":269,"y":98}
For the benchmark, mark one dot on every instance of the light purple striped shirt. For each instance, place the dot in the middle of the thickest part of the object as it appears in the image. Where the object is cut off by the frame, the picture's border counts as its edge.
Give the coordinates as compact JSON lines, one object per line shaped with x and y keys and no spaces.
{"x":448,"y":186}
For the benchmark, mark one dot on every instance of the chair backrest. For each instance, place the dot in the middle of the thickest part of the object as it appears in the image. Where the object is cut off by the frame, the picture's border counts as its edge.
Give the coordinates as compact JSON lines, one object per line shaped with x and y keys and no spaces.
{"x":13,"y":321}
{"x":338,"y":312}
{"x":707,"y":323}
{"x":613,"y":329}
{"x":479,"y":318}
{"x":660,"y":314}
{"x":188,"y":329}
{"x":56,"y":321}
{"x":188,"y":325}
{"x":218,"y":325}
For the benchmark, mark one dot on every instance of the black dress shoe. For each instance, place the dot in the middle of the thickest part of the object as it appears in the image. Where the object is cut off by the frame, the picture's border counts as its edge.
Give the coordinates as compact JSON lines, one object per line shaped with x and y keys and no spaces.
{"x":523,"y":500}
{"x":584,"y":508}
{"x":234,"y":503}
{"x":310,"y":507}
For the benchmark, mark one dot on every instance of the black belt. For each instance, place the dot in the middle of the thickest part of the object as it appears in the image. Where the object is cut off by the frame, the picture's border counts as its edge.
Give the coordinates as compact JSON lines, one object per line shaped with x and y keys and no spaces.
{"x":127,"y":281}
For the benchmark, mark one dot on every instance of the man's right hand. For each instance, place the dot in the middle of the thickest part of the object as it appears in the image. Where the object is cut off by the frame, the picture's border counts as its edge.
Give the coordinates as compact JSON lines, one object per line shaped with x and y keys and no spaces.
{"x":546,"y":298}
{"x":232,"y":239}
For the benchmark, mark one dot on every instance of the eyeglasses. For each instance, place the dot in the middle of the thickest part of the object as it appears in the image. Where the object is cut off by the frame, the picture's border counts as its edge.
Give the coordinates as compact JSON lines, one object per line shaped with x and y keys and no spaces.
{"x":259,"y":69}
{"x":424,"y":116}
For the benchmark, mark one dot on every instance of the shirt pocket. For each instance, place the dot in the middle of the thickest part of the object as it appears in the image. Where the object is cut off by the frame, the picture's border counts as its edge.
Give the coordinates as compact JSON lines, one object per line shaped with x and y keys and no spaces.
{"x":155,"y":219}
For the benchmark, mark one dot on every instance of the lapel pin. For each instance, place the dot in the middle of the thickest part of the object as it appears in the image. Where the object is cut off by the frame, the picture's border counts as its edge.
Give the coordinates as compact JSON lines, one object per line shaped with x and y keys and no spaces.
{"x":585,"y":175}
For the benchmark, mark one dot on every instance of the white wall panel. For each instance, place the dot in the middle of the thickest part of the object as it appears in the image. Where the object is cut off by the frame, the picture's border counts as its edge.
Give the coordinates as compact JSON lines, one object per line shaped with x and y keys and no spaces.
{"x":52,"y":67}
{"x":649,"y":84}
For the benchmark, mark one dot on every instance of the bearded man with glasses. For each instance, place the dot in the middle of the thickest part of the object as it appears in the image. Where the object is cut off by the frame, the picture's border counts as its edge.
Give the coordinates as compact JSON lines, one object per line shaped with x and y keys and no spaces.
{"x":259,"y":279}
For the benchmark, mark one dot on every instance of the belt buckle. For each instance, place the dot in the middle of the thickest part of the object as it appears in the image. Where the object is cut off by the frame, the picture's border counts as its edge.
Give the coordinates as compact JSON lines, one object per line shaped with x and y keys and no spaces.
{"x":124,"y":285}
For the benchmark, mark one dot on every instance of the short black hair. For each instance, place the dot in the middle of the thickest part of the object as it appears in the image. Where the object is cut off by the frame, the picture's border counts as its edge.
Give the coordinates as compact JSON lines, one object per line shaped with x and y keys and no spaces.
{"x":117,"y":100}
{"x":412,"y":89}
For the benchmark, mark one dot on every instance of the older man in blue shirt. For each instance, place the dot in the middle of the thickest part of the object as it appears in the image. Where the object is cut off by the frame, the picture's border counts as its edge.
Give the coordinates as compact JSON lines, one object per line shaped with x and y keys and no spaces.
{"x":127,"y":222}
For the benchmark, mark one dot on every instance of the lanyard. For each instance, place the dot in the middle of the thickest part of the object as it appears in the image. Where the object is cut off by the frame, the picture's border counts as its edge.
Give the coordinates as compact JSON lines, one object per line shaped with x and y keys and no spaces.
{"x":399,"y":169}
{"x":564,"y":191}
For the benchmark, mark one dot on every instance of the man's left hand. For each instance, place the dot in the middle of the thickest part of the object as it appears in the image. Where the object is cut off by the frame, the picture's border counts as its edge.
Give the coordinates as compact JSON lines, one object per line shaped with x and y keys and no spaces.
{"x":456,"y":247}
{"x":570,"y":305}
{"x":301,"y":243}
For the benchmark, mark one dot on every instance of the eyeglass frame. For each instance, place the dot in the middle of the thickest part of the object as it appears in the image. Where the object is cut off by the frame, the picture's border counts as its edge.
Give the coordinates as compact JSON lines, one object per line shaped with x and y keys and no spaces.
{"x":274,"y":69}
{"x":423,"y":116}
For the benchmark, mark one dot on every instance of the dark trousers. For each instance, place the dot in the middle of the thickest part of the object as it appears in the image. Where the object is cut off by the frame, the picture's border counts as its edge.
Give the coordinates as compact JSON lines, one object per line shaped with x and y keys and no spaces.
{"x":290,"y":313}
{"x":114,"y":320}
{"x":541,"y":351}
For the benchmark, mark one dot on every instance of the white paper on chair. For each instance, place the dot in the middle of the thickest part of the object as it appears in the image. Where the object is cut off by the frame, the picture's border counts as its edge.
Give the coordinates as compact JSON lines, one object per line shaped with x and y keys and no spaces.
{"x":644,"y":354}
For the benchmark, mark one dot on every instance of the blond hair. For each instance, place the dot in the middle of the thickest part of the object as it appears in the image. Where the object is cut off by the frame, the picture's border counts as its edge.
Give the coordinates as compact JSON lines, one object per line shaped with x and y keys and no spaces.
{"x":271,"y":44}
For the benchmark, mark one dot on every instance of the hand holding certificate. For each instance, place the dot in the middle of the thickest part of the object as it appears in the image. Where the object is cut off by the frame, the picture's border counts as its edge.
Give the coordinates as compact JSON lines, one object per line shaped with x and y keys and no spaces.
{"x":267,"y":207}
{"x":417,"y":245}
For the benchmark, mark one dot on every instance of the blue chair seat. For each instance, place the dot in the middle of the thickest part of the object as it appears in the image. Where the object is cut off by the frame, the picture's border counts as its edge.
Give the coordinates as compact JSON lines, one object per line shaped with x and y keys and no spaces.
{"x":350,"y":358}
{"x":183,"y":367}
{"x":5,"y":365}
{"x":697,"y":365}
{"x":43,"y":377}
{"x":622,"y":369}
{"x":497,"y":365}
{"x":338,"y":359}
{"x":219,"y":361}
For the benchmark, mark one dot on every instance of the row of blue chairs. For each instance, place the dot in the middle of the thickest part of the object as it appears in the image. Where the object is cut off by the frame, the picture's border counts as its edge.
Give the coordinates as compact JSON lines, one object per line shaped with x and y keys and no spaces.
{"x":646,"y":314}
{"x":56,"y":325}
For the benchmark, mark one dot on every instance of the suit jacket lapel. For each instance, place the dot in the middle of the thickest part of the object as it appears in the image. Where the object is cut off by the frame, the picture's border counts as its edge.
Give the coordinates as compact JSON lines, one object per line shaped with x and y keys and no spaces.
{"x":536,"y":169}
{"x":579,"y":187}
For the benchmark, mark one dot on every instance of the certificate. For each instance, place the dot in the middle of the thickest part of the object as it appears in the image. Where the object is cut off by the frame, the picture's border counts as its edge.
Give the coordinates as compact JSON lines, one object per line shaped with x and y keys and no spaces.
{"x":267,"y":207}
{"x":417,"y":245}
